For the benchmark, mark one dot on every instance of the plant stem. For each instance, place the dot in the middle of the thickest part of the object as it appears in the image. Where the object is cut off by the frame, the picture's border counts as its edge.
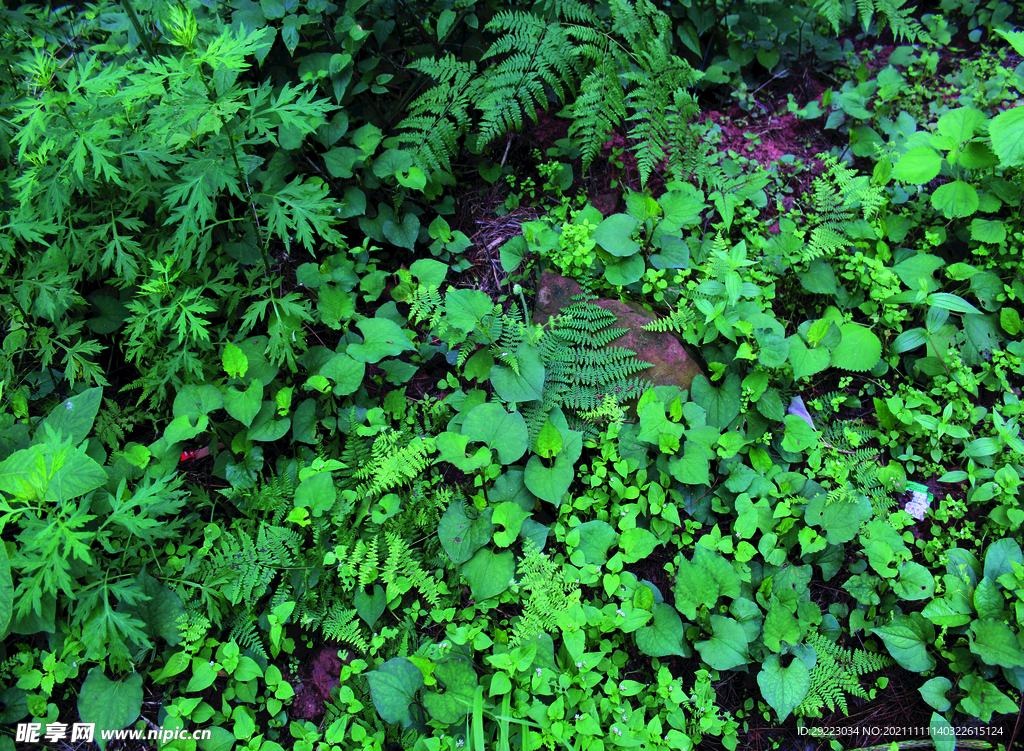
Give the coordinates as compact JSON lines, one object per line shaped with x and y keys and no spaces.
{"x":146,"y":42}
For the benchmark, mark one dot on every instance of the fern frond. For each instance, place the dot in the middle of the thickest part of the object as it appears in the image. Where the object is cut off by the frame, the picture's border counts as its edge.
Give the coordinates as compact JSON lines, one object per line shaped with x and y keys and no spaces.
{"x":342,"y":624}
{"x":835,"y":674}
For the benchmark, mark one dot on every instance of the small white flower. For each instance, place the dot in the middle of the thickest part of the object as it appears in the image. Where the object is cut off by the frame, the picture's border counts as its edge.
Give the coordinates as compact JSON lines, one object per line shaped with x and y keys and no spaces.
{"x":460,"y":743}
{"x":68,"y":405}
{"x":579,"y":665}
{"x":538,"y":672}
{"x":620,"y":612}
{"x":577,"y":716}
{"x":211,"y":663}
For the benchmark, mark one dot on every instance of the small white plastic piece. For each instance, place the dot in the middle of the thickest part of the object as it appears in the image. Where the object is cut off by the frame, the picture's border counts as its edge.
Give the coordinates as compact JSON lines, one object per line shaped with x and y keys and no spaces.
{"x":917,"y":505}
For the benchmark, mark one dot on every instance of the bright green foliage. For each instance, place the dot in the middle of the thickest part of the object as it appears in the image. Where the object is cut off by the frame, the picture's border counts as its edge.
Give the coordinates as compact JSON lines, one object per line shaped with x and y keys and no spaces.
{"x":836,"y":674}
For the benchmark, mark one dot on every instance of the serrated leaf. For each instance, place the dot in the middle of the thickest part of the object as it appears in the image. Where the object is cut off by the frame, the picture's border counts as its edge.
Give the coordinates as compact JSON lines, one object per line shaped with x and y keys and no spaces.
{"x":1007,"y":133}
{"x":918,"y":166}
{"x":858,"y":351}
{"x":956,"y":199}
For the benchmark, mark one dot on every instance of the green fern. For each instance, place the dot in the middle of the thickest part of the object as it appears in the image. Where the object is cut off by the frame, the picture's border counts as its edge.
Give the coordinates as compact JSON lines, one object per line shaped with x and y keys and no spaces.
{"x":633,"y":81}
{"x":836,"y":674}
{"x":396,"y":459}
{"x":581,"y":368}
{"x":550,"y":594}
{"x":402,"y":572}
{"x":341,"y":623}
{"x":244,"y":634}
{"x":840,"y":196}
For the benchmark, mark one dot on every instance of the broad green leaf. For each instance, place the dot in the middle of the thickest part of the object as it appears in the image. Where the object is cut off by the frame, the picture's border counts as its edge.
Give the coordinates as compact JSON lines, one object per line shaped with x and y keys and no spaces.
{"x":859,"y":350}
{"x":244,"y":405}
{"x":551,"y":483}
{"x":221,"y":739}
{"x":780,"y":625}
{"x":840,"y":519}
{"x":721,"y":403}
{"x":403,"y":235}
{"x":703,"y":580}
{"x":382,"y":338}
{"x":393,"y":687}
{"x":391,"y":162}
{"x":934,"y":693}
{"x":988,"y":230}
{"x":503,"y":432}
{"x":110,"y":705}
{"x":549,"y":441}
{"x":614,"y":235}
{"x":428,"y":271}
{"x":956,"y":199}
{"x":465,"y":308}
{"x":727,"y":647}
{"x":692,"y":467}
{"x":784,"y":688}
{"x":335,"y":305}
{"x":951,"y":302}
{"x":346,"y":373}
{"x":916,"y":582}
{"x":996,"y":643}
{"x":942,"y":733}
{"x":1000,"y":557}
{"x":682,"y":208}
{"x":1007,"y":133}
{"x":510,"y":517}
{"x":459,"y":680}
{"x":665,"y":635}
{"x":461,"y":536}
{"x":266,"y":427}
{"x":623,"y":271}
{"x":317,"y":493}
{"x":595,"y":539}
{"x":918,"y":166}
{"x":489,"y":573}
{"x":184,"y":429}
{"x":159,"y":612}
{"x":983,"y":698}
{"x":805,"y":360}
{"x":637,"y":544}
{"x":528,"y":384}
{"x":960,"y":124}
{"x":1009,"y":319}
{"x":74,"y":416}
{"x":799,"y":435}
{"x":819,"y":278}
{"x":6,"y":590}
{"x":908,"y":637}
{"x":370,"y":607}
{"x":194,"y":401}
{"x":452,"y":448}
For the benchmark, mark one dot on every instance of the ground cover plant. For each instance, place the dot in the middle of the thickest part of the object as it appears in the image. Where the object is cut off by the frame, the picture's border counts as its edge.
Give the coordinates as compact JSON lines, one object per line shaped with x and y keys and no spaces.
{"x":295,"y":448}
